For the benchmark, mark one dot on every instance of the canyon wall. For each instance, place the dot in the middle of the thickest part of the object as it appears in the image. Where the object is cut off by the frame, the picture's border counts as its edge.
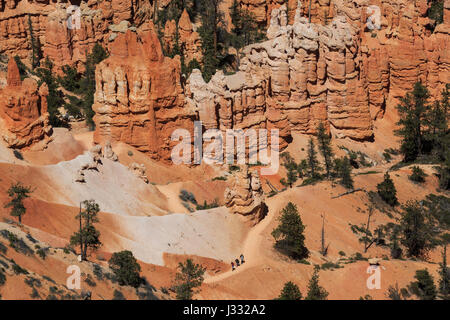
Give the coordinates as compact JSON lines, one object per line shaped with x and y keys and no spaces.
{"x":342,"y":73}
{"x":23,"y":110}
{"x":100,"y":21}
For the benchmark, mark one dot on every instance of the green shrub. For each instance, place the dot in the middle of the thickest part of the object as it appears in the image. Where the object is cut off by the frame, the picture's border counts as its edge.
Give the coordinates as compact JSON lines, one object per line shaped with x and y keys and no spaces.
{"x":290,"y":291}
{"x":187,"y":196}
{"x":19,"y":270}
{"x":117,"y":295}
{"x":418,"y":175}
{"x":386,"y":190}
{"x":42,"y":253}
{"x":126,"y":268}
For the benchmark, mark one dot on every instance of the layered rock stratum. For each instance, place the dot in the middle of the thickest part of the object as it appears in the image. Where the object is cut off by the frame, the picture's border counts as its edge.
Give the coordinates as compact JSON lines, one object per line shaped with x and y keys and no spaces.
{"x":341,"y":73}
{"x":139,"y":98}
{"x":24,"y":119}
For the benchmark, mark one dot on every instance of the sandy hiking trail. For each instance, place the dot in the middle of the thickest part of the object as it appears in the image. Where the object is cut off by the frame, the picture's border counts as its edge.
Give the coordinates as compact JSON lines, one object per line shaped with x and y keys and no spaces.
{"x":250,"y":250}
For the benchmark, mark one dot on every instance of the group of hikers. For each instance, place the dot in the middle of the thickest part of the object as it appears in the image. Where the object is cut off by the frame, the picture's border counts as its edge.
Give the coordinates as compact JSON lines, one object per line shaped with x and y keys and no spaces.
{"x":236,"y":263}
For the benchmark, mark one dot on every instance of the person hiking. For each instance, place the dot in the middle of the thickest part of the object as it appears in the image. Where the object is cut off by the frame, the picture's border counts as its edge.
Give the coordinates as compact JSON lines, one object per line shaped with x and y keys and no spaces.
{"x":242,"y":258}
{"x":237,"y":262}
{"x":232,"y":266}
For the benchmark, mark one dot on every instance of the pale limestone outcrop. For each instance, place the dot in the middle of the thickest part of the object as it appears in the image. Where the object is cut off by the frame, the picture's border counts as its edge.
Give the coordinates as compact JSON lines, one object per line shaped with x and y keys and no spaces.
{"x":139,"y":171}
{"x":245,"y":195}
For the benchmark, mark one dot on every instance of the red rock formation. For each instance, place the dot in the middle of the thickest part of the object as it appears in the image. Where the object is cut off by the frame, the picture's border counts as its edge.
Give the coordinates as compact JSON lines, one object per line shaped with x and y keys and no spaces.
{"x":343,"y":72}
{"x":23,"y":110}
{"x":139,"y":99}
{"x":49,"y":25}
{"x":188,"y":39}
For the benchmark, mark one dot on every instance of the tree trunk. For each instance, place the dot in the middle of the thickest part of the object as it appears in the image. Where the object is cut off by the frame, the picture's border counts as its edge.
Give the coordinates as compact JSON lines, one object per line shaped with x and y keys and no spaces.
{"x":309,"y":12}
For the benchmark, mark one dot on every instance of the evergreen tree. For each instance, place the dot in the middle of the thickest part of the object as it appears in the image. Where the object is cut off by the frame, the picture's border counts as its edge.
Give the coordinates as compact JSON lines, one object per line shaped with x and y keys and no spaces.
{"x":343,"y":171}
{"x":87,"y":237}
{"x":315,"y":291}
{"x":209,"y":32}
{"x":87,"y":85}
{"x":290,"y":291}
{"x":437,"y":124}
{"x":17,"y":193}
{"x":23,"y":70}
{"x":324,"y":142}
{"x":126,"y":268}
{"x":189,"y":277}
{"x":417,"y":229}
{"x":424,"y":287}
{"x":245,"y":28}
{"x":291,"y":176}
{"x":413,"y":110}
{"x":55,"y":97}
{"x":289,"y":235}
{"x":387,"y":191}
{"x":444,"y":276}
{"x":417,"y":175}
{"x":35,"y":44}
{"x":313,"y":163}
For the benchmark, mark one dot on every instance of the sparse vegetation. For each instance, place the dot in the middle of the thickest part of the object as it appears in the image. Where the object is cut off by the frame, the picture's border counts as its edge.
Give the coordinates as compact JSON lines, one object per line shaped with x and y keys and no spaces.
{"x":315,"y":291}
{"x":126,"y":268}
{"x":417,"y":175}
{"x":87,"y":237}
{"x":290,"y":291}
{"x":188,"y":278}
{"x":17,"y":194}
{"x":289,"y":237}
{"x":386,"y":190}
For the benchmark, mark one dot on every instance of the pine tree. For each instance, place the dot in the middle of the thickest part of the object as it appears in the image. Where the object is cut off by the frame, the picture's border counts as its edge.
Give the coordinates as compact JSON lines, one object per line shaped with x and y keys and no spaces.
{"x":324,"y":142}
{"x":417,"y":229}
{"x":126,"y":268}
{"x":291,"y":176}
{"x":189,"y":277}
{"x":209,"y":33}
{"x":17,"y":193}
{"x":289,"y":235}
{"x":36,"y":54}
{"x":87,"y":85}
{"x":386,"y":190}
{"x":344,"y":171}
{"x":313,"y":164}
{"x":413,"y":109}
{"x":315,"y":291}
{"x":424,"y":287}
{"x":444,"y":274}
{"x":55,"y":97}
{"x":290,"y":291}
{"x":87,"y":237}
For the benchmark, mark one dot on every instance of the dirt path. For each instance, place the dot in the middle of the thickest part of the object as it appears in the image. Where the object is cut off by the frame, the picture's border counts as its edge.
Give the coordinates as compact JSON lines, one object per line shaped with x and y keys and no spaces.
{"x":250,"y":250}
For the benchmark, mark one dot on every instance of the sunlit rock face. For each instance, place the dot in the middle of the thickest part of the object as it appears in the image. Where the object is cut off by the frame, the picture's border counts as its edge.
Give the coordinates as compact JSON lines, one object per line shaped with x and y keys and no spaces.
{"x":23,"y":110}
{"x":139,"y":99}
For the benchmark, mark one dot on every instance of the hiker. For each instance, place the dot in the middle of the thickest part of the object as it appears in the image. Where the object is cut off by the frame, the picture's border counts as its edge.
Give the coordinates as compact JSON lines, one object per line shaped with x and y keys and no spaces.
{"x":237,"y":262}
{"x":242,"y":258}
{"x":232,"y":266}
